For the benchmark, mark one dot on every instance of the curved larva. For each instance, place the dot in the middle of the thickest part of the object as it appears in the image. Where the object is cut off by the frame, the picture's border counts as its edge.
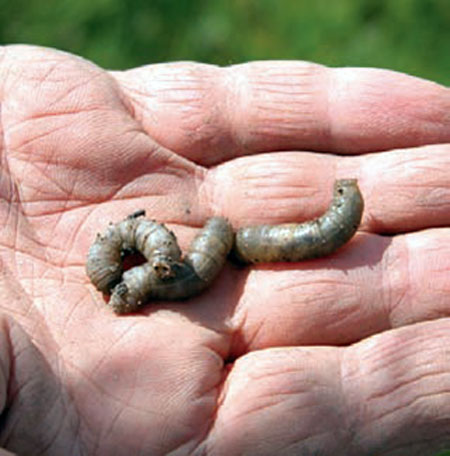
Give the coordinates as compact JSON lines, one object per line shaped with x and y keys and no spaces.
{"x":204,"y":260}
{"x":316,"y":238}
{"x":210,"y":248}
{"x":164,"y":275}
{"x":152,"y":239}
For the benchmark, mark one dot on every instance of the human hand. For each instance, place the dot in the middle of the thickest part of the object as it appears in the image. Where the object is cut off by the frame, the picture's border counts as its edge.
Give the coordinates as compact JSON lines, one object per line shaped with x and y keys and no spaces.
{"x":342,"y":355}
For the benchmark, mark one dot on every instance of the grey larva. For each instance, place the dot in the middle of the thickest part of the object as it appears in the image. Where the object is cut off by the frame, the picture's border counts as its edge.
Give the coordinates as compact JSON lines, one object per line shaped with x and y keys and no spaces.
{"x":316,"y":238}
{"x":152,"y":239}
{"x":164,"y":275}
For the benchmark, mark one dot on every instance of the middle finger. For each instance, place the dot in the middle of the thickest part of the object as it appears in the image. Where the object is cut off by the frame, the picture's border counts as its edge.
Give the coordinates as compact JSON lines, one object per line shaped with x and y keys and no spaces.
{"x":403,"y":190}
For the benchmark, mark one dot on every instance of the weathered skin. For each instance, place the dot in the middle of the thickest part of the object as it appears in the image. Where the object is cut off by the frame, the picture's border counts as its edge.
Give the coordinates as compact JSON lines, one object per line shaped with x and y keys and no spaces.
{"x":312,"y":239}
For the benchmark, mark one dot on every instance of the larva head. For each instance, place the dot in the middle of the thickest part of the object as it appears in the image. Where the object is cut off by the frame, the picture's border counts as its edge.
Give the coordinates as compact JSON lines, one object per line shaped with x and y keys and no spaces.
{"x":122,"y":301}
{"x":343,"y":185}
{"x":346,"y":191}
{"x":133,"y":290}
{"x":163,"y":266}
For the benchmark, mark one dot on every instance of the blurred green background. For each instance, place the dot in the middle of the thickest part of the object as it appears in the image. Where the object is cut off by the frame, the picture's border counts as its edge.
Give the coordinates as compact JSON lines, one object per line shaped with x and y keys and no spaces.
{"x":412,"y":36}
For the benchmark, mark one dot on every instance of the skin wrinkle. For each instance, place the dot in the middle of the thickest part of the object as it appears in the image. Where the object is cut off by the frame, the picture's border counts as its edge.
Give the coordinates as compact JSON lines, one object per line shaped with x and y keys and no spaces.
{"x":405,"y":182}
{"x":26,"y":256}
{"x":374,"y":90}
{"x":407,"y":404}
{"x":14,"y":313}
{"x":73,"y":89}
{"x":274,"y":373}
{"x":26,"y":350}
{"x":254,"y":179}
{"x":193,"y":311}
{"x":304,"y":101}
{"x":286,"y":113}
{"x":394,"y":356}
{"x":349,"y":315}
{"x":38,"y":137}
{"x":220,"y":114}
{"x":200,"y":439}
{"x":382,"y":357}
{"x":347,"y":416}
{"x":250,"y":338}
{"x":69,"y":320}
{"x":95,"y":386}
{"x":109,"y":430}
{"x":32,"y":189}
{"x":219,"y":359}
{"x":257,"y":409}
{"x":203,"y":441}
{"x":301,"y":287}
{"x":65,"y":260}
{"x":438,"y":201}
{"x":370,"y":422}
{"x":370,"y":92}
{"x":231,"y":85}
{"x":387,"y":415}
{"x":56,"y":431}
{"x":8,"y":186}
{"x":134,"y":101}
{"x":406,"y":280}
{"x":389,"y":353}
{"x":188,"y":121}
{"x":242,"y":76}
{"x":113,"y":345}
{"x":242,"y":324}
{"x":55,"y":264}
{"x":391,"y":296}
{"x":44,"y":261}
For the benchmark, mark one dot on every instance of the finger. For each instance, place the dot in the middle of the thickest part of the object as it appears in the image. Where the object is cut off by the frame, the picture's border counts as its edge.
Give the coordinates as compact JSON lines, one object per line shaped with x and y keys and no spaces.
{"x":372,"y":284}
{"x":387,"y":395}
{"x":211,"y":114}
{"x":406,"y":189}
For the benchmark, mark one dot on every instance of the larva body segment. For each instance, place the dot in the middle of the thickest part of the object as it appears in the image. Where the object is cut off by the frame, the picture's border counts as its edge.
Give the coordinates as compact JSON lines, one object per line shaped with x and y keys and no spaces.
{"x":209,"y":249}
{"x":164,"y":276}
{"x":142,"y":283}
{"x":152,"y":239}
{"x":312,"y":239}
{"x":104,"y":259}
{"x":206,"y":257}
{"x":104,"y":265}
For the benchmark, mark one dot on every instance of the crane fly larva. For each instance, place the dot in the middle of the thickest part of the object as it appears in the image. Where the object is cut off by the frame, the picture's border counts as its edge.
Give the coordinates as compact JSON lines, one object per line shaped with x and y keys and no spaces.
{"x":302,"y":241}
{"x":164,"y":276}
{"x":167,"y":276}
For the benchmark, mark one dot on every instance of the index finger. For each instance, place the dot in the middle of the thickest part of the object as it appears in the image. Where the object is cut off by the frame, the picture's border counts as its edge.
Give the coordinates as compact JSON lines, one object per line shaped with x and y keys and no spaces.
{"x":211,"y":114}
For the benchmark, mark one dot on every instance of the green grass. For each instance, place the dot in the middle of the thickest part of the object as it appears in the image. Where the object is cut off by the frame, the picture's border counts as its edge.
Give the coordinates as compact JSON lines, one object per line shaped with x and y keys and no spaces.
{"x":412,"y":36}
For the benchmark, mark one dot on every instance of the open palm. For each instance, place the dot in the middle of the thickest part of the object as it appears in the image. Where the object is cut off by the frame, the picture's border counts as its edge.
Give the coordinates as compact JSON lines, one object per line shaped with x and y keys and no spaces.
{"x":273,"y":359}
